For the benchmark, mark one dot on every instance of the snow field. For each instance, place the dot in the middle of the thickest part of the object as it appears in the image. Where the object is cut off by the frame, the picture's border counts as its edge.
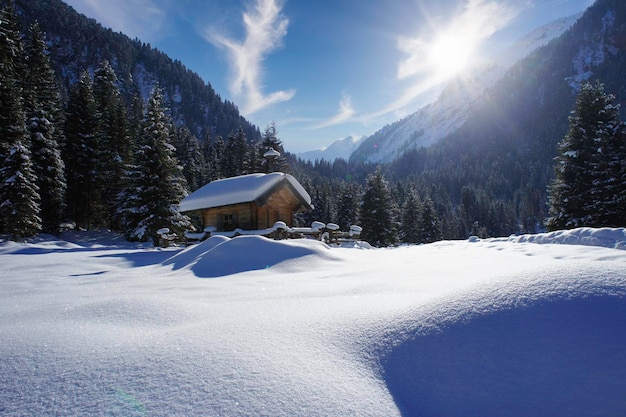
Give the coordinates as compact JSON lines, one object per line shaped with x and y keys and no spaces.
{"x":250,"y":326}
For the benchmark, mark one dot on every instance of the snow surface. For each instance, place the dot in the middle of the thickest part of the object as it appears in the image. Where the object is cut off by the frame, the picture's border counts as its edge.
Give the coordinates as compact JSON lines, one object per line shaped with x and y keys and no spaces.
{"x":93,"y":325}
{"x":241,"y":189}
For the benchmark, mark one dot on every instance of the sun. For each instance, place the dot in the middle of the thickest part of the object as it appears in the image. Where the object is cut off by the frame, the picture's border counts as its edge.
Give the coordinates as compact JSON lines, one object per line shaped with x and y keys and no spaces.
{"x":450,"y":54}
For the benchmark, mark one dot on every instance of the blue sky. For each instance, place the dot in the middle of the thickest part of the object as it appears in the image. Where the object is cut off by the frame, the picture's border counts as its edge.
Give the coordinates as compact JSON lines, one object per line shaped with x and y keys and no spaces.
{"x":323,"y":70}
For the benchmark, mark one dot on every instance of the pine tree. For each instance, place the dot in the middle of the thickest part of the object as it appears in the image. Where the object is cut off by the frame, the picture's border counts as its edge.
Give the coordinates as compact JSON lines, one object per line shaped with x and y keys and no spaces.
{"x":81,"y":156}
{"x":234,"y":160}
{"x":613,"y":184}
{"x":19,"y":205}
{"x":160,"y":184}
{"x":429,"y":225}
{"x":322,"y":204}
{"x":113,"y":138}
{"x":348,"y":205}
{"x":269,"y":141}
{"x":412,"y":212}
{"x":377,"y":212}
{"x":43,"y":112}
{"x":189,"y":153}
{"x":214,"y":149}
{"x":19,"y":198}
{"x":588,"y":189}
{"x":127,"y":200}
{"x":608,"y":191}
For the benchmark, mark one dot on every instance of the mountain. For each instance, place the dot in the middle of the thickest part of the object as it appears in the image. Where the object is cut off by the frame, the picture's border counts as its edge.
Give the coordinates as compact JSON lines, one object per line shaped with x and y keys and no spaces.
{"x":453,"y":106}
{"x":77,"y":43}
{"x":505,"y":149}
{"x":341,"y":148}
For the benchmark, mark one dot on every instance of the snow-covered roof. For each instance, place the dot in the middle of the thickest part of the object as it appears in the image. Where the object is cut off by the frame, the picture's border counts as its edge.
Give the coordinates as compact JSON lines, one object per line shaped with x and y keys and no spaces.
{"x":242,"y":189}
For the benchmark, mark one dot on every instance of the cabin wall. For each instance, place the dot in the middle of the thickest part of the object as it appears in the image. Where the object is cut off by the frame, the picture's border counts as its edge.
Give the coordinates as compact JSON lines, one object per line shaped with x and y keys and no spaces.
{"x":228,"y":218}
{"x":279,"y":206}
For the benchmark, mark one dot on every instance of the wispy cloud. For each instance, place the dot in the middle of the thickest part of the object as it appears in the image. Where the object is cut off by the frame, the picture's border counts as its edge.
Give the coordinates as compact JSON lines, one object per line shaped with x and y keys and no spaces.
{"x":425,"y":59}
{"x":265,"y":27}
{"x":142,"y":19}
{"x":344,"y":113}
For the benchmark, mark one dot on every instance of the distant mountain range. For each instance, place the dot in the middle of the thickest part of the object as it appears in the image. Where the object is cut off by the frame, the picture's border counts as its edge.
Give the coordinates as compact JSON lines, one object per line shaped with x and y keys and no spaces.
{"x":341,"y":148}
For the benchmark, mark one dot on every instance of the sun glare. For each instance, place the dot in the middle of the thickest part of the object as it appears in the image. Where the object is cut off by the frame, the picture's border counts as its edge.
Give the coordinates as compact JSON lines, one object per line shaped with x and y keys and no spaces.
{"x":450,"y":54}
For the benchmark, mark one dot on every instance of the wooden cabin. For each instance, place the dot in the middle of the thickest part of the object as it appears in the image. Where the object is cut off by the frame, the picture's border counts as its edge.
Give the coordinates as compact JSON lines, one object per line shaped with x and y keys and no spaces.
{"x":248,"y":202}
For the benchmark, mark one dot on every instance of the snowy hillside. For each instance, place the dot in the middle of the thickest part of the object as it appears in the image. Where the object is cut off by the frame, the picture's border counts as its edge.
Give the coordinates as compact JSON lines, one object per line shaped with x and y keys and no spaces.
{"x":341,"y":148}
{"x":93,"y":325}
{"x":452,"y":107}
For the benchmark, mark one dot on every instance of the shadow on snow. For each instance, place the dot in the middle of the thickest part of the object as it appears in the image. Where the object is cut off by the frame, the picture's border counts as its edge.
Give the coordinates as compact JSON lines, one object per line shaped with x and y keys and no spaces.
{"x":554,"y":358}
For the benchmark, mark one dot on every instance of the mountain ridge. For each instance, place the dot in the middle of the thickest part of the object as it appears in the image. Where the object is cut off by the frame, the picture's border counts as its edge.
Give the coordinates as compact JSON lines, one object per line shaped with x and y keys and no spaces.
{"x":77,"y":43}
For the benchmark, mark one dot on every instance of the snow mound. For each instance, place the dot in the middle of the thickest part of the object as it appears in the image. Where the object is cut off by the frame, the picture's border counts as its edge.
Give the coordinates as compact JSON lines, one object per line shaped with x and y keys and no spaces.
{"x":41,"y":244}
{"x":604,"y":237}
{"x":195,"y":252}
{"x":220,"y":256}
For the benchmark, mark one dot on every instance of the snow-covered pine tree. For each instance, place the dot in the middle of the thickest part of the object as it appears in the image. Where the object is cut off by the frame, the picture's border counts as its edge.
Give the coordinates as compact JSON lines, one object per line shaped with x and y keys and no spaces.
{"x":377,"y":212}
{"x":42,"y":104}
{"x":113,"y":139}
{"x":160,"y":184}
{"x":81,"y":155}
{"x":189,"y":150}
{"x":608,"y":188}
{"x":19,"y":199}
{"x":270,"y":140}
{"x":587,"y":183}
